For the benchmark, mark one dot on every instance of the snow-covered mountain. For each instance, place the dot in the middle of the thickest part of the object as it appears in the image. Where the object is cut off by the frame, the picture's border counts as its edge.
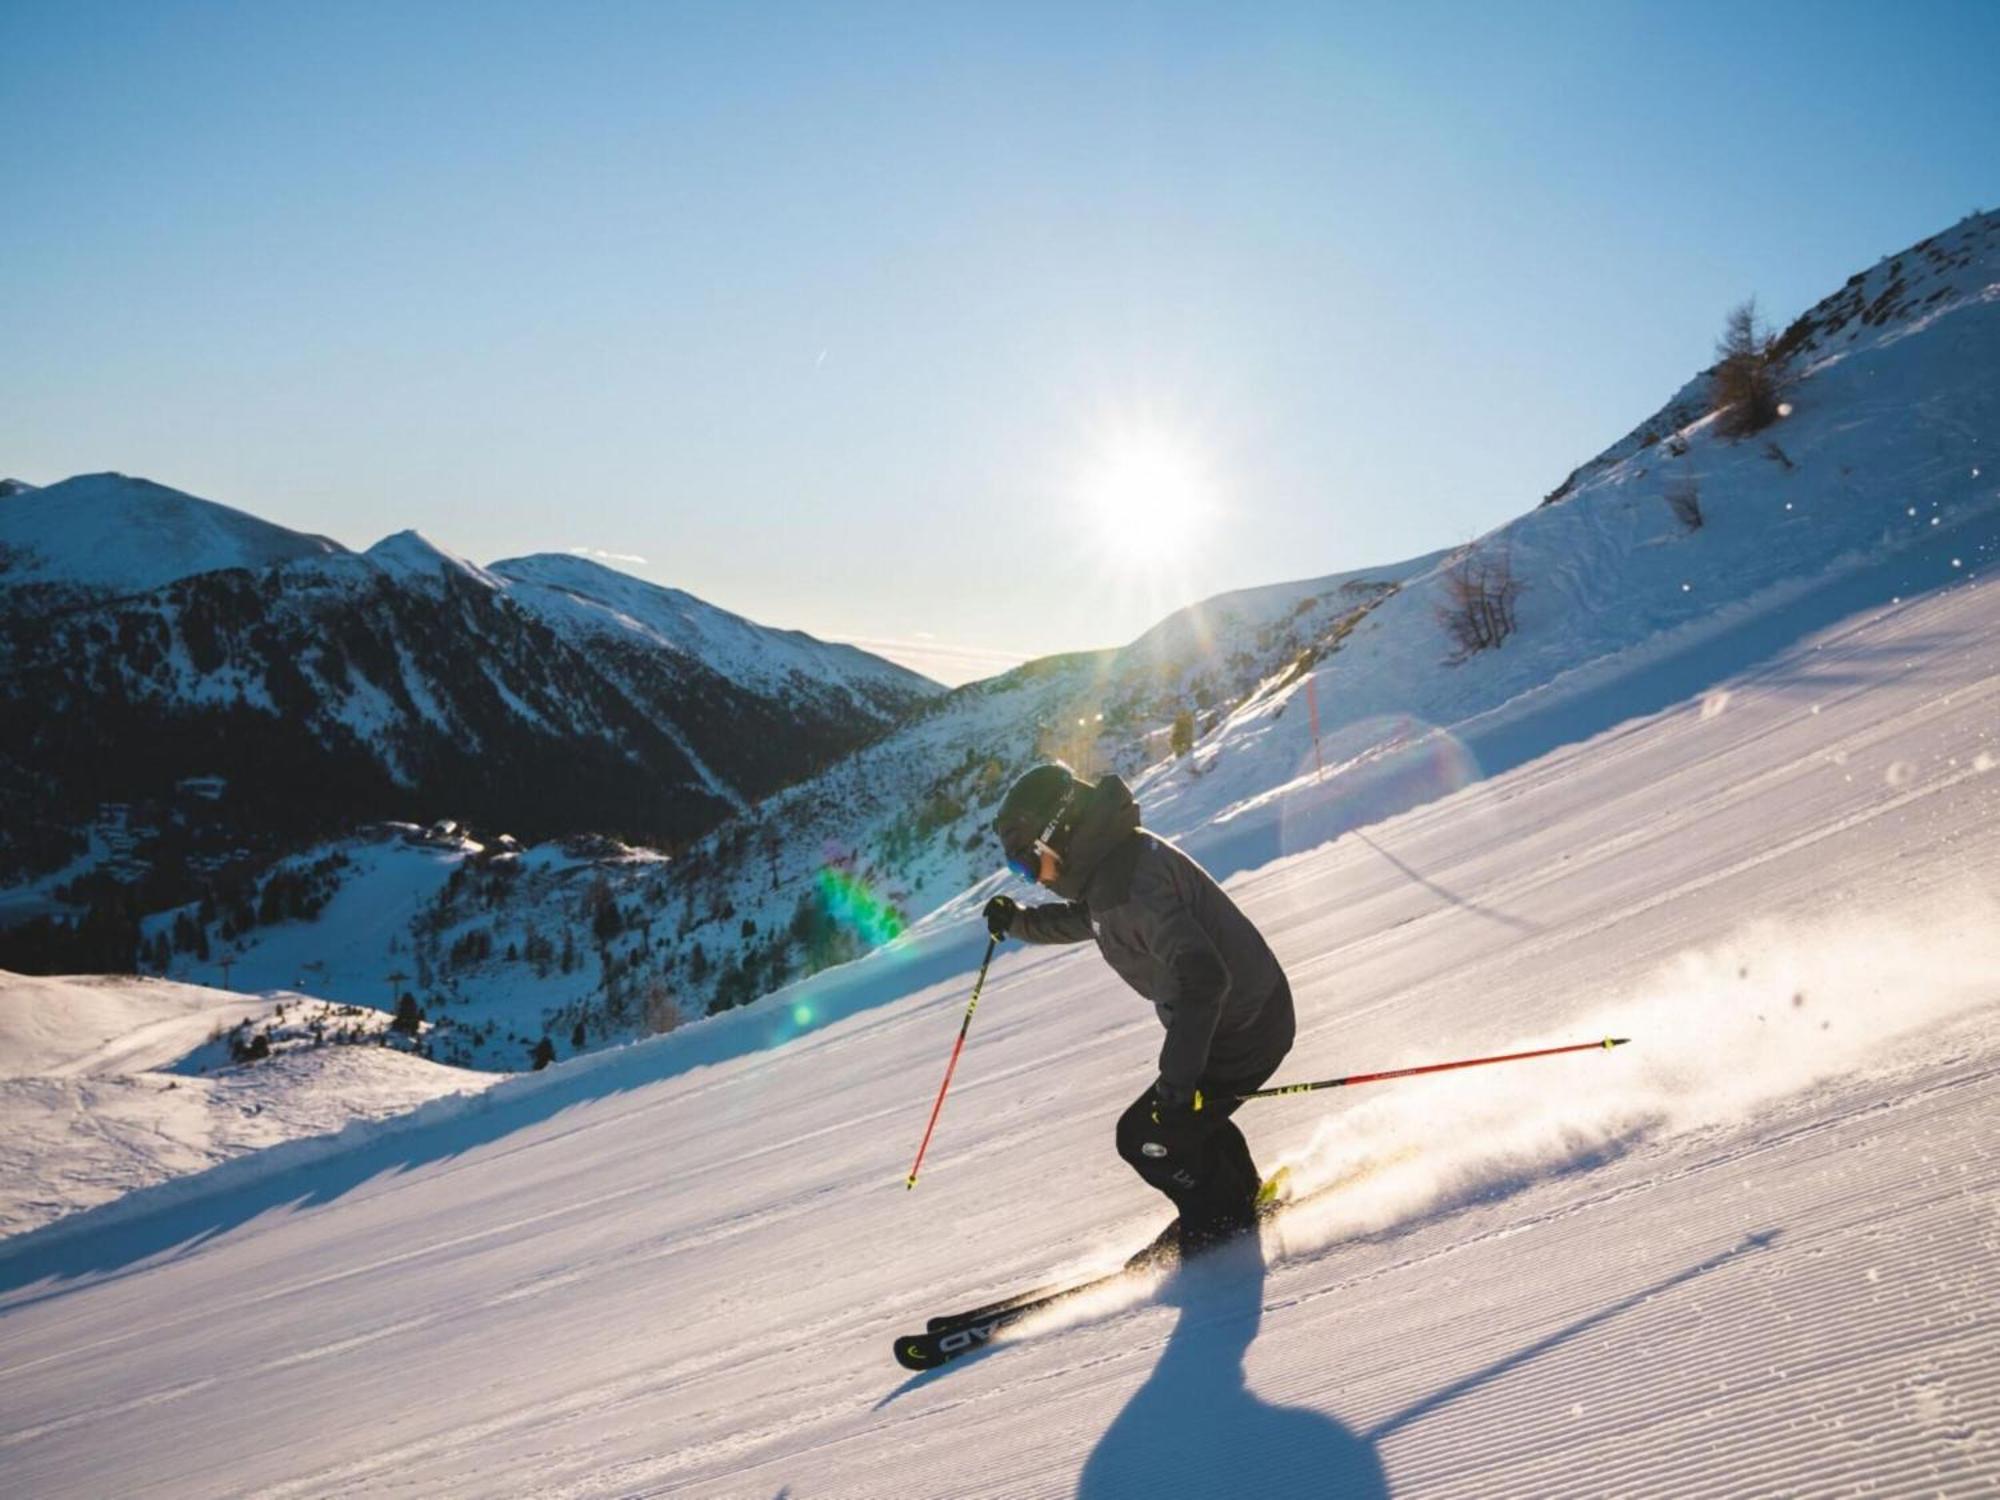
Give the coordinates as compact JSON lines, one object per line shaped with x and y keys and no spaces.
{"x":211,"y":684}
{"x":584,"y":599}
{"x":112,"y":534}
{"x":1714,"y":765}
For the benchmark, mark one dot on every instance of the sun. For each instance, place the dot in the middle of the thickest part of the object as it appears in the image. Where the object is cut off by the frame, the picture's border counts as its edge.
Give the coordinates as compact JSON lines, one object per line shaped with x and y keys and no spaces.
{"x":1148,"y":496}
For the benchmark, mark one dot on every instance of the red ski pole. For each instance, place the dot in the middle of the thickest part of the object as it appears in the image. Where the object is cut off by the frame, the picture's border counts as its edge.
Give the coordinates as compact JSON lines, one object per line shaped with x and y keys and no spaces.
{"x":1470,"y":1062}
{"x":952,"y":1067}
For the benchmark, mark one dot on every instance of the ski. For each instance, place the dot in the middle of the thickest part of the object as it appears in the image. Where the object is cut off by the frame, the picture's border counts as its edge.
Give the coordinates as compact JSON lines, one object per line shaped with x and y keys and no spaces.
{"x":948,"y":1321}
{"x":962,"y":1333}
{"x":950,"y":1336}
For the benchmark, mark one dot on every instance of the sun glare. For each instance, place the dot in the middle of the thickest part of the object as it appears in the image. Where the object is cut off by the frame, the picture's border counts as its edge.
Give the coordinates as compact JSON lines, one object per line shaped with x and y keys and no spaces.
{"x":1148,"y":497}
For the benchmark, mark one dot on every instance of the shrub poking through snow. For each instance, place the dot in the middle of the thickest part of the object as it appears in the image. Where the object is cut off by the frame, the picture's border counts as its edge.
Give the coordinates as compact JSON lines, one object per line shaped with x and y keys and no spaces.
{"x":1743,"y":390}
{"x":1683,"y":496}
{"x":1480,"y":590}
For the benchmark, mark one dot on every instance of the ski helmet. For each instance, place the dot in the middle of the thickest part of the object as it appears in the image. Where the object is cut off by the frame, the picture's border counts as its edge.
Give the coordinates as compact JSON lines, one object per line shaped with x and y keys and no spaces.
{"x":1041,"y":805}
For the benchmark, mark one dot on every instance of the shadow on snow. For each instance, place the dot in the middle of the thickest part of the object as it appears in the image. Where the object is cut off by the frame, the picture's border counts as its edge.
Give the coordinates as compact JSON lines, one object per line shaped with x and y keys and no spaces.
{"x":1196,"y":1428}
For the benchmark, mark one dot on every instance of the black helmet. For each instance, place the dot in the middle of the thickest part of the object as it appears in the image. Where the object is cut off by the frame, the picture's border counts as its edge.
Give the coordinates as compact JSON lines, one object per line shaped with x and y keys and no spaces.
{"x":1041,"y":805}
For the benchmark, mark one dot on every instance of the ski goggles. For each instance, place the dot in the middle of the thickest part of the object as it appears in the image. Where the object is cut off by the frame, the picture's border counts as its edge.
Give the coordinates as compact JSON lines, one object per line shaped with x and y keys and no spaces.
{"x":1025,"y":860}
{"x":1024,"y":852}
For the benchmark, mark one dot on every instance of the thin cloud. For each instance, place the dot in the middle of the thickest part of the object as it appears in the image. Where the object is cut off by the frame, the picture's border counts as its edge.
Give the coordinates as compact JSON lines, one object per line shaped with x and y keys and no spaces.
{"x":602,"y":556}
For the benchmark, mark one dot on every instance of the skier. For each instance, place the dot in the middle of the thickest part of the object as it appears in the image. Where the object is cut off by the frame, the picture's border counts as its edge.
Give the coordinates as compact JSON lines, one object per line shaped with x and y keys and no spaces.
{"x":1170,"y":933}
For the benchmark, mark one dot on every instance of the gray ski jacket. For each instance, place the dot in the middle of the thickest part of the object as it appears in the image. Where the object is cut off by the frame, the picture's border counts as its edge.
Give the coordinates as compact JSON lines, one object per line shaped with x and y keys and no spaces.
{"x":1171,"y":933}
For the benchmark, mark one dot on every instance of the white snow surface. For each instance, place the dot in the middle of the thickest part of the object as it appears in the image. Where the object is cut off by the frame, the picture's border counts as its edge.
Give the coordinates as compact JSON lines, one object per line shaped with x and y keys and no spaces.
{"x":127,"y":536}
{"x":111,"y":1084}
{"x":1750,"y":1253}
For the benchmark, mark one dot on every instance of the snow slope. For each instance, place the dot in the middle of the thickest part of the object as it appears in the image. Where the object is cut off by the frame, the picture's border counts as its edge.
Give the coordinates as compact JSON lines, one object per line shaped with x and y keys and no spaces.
{"x":1749,"y":1254}
{"x":109,"y":1085}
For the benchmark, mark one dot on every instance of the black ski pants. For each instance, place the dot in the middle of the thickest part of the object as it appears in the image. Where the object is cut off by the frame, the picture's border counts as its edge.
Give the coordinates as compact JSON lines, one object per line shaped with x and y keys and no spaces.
{"x":1200,"y":1161}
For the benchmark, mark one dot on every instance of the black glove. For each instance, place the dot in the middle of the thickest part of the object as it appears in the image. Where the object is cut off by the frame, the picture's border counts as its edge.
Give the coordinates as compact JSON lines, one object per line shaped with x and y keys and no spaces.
{"x":1000,"y":914}
{"x":1174,"y":1105}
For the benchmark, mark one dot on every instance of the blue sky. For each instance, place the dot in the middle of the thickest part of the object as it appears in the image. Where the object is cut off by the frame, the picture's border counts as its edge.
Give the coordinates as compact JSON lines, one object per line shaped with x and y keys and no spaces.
{"x":840,"y":315}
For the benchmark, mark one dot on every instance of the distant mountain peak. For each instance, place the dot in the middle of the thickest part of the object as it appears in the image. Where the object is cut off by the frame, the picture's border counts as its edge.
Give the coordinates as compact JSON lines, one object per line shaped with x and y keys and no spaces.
{"x":12,"y":487}
{"x":576,"y":593}
{"x":410,"y":553}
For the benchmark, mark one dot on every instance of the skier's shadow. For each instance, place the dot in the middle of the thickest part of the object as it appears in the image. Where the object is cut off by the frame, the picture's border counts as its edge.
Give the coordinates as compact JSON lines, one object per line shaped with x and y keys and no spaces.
{"x":1195,"y":1427}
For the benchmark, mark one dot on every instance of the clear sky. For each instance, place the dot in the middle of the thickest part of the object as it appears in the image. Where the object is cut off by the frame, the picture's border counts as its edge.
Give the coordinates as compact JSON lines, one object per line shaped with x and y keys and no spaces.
{"x":884,"y":320}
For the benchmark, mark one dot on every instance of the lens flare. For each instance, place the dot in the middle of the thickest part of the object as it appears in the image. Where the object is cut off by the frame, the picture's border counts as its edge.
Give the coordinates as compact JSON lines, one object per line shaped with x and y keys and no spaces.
{"x":853,"y":905}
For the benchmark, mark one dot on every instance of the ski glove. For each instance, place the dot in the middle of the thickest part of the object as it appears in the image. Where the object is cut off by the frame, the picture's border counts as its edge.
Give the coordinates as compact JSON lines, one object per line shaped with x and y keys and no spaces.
{"x":1000,"y":914}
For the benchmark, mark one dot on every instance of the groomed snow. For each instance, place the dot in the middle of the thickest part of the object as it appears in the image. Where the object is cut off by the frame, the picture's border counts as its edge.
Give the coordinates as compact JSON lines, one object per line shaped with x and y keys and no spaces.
{"x":1751,"y":1253}
{"x":110,"y":1085}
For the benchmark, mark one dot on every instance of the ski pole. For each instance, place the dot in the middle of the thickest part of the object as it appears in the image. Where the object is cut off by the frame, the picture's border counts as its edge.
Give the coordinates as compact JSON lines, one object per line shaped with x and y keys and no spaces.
{"x":952,"y":1066}
{"x":1470,"y":1062}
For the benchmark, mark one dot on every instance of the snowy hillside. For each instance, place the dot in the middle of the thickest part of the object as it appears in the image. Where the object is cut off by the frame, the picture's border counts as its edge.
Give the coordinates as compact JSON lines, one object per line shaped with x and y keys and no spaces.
{"x":1886,"y":447}
{"x":110,"y":1085}
{"x":129,"y":536}
{"x":1749,"y":1253}
{"x":397,"y":910}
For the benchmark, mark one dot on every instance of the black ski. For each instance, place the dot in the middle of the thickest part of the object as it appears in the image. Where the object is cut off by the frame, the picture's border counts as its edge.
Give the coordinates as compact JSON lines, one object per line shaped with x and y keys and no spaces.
{"x":948,"y":1321}
{"x":949,"y":1338}
{"x":953,"y":1335}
